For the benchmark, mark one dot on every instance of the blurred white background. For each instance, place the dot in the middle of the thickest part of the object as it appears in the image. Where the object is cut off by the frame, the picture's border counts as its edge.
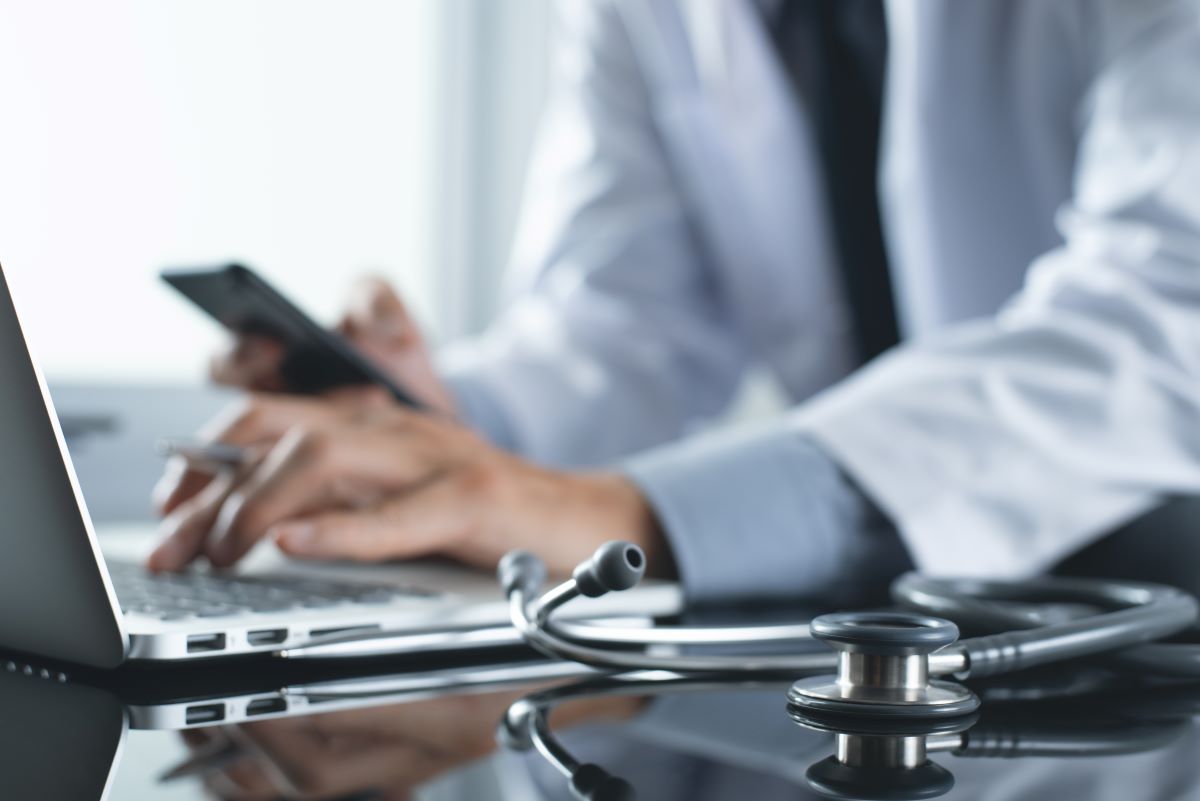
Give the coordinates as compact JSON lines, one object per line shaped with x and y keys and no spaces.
{"x":312,"y":140}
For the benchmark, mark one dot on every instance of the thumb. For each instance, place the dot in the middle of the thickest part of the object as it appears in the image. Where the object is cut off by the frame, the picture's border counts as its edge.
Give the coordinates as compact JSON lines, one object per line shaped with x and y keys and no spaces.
{"x":376,"y":312}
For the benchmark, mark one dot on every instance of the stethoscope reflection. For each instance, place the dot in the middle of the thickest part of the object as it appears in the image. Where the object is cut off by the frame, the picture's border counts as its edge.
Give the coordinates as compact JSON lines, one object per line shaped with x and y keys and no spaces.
{"x":875,"y":759}
{"x":1070,"y":713}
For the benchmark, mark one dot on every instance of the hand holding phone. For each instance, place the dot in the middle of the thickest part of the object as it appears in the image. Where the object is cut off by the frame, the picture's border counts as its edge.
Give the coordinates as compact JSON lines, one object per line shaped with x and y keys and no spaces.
{"x":314,"y":359}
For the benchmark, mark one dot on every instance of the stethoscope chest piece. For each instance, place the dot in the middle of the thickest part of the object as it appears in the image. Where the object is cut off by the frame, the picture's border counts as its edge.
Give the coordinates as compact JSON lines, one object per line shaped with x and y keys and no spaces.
{"x":883,"y":668}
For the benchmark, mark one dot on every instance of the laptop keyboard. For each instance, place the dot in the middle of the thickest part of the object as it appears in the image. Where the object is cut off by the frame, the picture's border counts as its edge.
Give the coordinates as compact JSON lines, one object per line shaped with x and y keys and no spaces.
{"x":183,"y":596}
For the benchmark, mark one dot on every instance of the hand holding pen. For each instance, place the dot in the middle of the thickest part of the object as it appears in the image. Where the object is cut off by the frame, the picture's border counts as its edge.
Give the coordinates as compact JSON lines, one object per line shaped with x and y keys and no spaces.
{"x":343,"y":481}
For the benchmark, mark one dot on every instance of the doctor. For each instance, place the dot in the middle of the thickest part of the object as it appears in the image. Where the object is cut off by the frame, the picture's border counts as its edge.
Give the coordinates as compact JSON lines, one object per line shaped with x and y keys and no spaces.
{"x":703,"y":198}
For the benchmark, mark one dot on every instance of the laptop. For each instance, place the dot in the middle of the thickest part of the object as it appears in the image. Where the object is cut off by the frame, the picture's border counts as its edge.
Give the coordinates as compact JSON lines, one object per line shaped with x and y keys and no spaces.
{"x":64,"y":597}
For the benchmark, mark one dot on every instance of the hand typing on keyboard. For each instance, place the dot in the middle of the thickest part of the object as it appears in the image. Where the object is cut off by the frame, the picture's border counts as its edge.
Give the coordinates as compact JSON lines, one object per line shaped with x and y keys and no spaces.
{"x":368,"y":483}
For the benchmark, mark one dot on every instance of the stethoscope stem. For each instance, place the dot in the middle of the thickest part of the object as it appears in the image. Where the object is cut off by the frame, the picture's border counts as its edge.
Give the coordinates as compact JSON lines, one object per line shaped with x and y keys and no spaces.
{"x":950,"y":661}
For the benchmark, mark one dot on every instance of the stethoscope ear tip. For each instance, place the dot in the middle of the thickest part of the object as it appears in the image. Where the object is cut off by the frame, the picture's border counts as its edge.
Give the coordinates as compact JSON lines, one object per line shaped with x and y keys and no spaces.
{"x":615,"y":566}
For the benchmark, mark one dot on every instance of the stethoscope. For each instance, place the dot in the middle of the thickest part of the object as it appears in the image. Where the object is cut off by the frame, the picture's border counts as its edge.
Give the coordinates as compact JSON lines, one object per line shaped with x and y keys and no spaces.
{"x":883,"y":664}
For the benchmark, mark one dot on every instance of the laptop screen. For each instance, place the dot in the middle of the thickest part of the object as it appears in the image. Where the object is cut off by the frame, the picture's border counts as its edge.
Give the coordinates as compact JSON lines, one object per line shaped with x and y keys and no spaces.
{"x":53,"y":596}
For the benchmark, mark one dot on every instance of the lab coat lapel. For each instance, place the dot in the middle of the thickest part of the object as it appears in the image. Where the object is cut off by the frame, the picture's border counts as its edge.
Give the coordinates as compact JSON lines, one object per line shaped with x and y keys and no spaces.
{"x":740,"y":143}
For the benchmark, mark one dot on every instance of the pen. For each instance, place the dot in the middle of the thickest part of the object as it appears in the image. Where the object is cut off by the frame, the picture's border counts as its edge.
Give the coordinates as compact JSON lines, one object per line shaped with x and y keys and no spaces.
{"x":215,"y":454}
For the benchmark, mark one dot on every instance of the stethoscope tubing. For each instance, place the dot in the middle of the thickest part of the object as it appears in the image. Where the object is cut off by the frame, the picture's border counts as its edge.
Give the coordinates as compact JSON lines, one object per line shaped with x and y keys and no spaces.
{"x":1135,"y":614}
{"x":602,"y":652}
{"x":1140,"y":614}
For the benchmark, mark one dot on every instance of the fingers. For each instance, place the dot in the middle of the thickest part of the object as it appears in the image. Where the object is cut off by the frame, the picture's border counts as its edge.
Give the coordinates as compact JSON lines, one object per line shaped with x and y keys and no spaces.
{"x":319,"y":474}
{"x":251,"y":362}
{"x":258,"y":421}
{"x":332,"y":467}
{"x":185,"y":530}
{"x":375,"y":313}
{"x":179,"y":482}
{"x":297,"y":475}
{"x":435,"y":517}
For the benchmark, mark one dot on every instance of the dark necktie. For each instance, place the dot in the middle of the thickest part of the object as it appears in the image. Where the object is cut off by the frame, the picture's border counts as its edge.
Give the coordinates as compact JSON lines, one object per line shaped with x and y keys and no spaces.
{"x":836,"y":53}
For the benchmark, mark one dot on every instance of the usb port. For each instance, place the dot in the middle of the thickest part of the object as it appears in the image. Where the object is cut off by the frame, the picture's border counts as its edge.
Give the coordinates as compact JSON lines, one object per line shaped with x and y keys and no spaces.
{"x":266,"y":636}
{"x":205,"y":713}
{"x":265,"y":706}
{"x":205,"y":643}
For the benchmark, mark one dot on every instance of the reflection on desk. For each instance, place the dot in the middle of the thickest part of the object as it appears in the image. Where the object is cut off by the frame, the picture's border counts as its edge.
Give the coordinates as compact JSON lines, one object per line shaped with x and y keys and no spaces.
{"x":1082,"y":735}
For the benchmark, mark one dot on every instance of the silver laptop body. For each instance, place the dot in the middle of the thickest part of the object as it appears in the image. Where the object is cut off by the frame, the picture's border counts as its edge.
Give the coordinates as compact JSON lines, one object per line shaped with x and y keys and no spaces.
{"x":60,"y":598}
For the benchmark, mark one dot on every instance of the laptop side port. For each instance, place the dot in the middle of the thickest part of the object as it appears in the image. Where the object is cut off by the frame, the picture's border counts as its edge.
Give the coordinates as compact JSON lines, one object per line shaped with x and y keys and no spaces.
{"x":266,"y":636}
{"x":205,"y":643}
{"x":265,"y":706}
{"x":205,"y":713}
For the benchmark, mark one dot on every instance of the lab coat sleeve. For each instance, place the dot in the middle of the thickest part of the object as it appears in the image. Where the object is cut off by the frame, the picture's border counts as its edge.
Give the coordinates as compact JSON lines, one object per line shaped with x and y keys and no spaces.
{"x":1008,"y":443}
{"x":750,"y":514}
{"x":616,"y":339}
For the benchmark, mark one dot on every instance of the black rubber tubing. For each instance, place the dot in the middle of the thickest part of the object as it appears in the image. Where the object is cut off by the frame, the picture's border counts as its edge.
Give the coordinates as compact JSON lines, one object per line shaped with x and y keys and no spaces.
{"x":1137,"y":613}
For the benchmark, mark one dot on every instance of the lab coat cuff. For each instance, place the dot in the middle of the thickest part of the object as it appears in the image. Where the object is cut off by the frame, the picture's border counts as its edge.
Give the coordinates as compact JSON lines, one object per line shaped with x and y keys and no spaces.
{"x":759,"y":514}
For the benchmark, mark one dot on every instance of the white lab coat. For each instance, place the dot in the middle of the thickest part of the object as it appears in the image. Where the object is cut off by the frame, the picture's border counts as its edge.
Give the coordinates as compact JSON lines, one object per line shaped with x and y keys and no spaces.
{"x":675,"y":233}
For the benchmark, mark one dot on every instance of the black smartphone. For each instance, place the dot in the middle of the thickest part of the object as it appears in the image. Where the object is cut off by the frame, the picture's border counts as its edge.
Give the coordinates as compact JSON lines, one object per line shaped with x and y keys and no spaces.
{"x":315,"y":358}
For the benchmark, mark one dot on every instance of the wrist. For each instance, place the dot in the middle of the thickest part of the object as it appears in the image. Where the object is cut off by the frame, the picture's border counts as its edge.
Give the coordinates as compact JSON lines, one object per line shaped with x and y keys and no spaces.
{"x":622,"y":512}
{"x":561,"y":516}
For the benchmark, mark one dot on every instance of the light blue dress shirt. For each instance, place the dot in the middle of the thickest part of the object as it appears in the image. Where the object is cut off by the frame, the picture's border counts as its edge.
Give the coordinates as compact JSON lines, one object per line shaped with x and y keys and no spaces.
{"x":756,"y":515}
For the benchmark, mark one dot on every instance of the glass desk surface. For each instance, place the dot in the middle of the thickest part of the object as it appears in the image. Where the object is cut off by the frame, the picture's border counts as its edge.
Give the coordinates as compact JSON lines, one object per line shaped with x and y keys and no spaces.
{"x":374,"y":732}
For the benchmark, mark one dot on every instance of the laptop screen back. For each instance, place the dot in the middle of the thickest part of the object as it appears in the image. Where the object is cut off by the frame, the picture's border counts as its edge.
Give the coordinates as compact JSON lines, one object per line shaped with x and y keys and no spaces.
{"x":53,"y":598}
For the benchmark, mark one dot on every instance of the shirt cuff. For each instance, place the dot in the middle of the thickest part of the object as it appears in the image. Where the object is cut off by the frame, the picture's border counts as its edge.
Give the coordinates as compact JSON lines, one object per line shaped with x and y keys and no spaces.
{"x":765,"y":514}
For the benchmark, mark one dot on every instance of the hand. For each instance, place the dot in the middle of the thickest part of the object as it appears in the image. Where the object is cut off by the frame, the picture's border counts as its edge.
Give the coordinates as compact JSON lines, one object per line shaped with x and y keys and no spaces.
{"x":255,"y":425}
{"x":389,"y":483}
{"x":389,"y":750}
{"x":379,"y":324}
{"x":376,"y":321}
